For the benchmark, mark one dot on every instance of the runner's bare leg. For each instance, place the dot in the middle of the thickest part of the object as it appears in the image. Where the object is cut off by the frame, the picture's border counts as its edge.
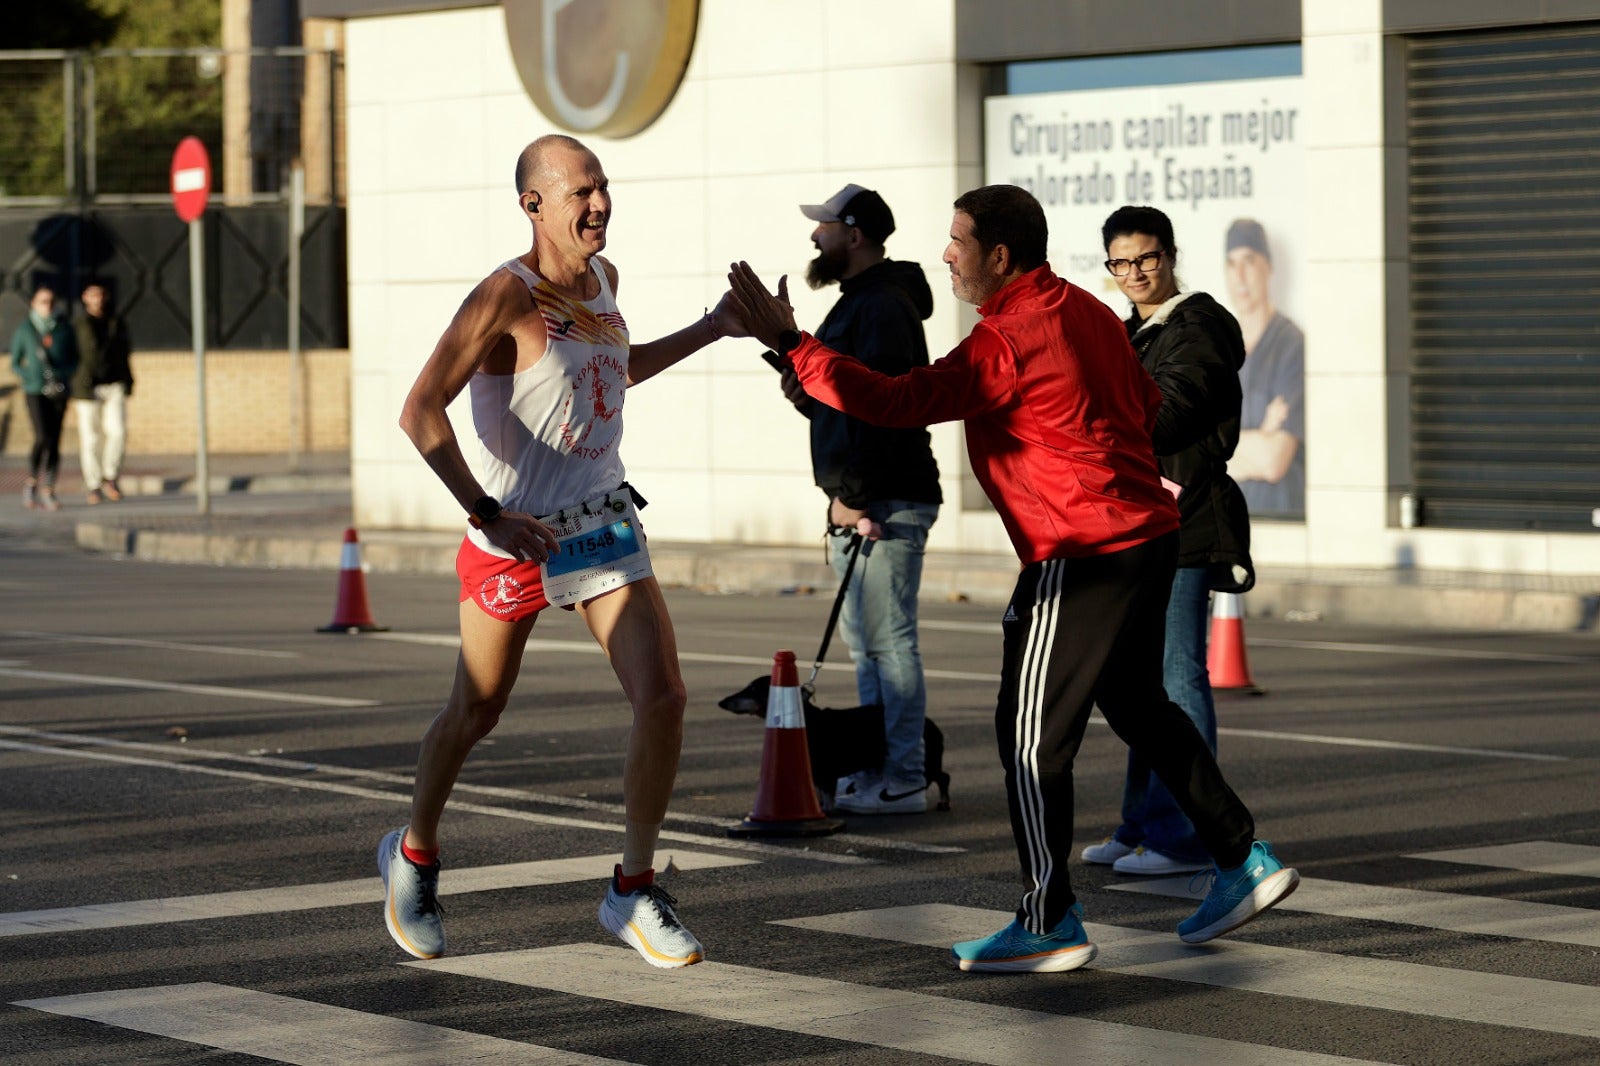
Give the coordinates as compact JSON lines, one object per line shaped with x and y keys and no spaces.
{"x":486,"y":670}
{"x":632,"y":626}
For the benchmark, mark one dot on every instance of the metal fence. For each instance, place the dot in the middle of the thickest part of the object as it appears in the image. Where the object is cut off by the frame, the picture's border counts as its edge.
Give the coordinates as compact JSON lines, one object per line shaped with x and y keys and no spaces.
{"x":85,"y":127}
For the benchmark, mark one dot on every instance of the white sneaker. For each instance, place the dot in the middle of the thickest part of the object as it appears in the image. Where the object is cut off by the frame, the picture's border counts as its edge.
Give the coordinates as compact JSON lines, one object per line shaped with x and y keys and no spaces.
{"x":645,"y":920}
{"x":1107,"y":852}
{"x":886,"y":797}
{"x":856,"y":785}
{"x":1150,"y":863}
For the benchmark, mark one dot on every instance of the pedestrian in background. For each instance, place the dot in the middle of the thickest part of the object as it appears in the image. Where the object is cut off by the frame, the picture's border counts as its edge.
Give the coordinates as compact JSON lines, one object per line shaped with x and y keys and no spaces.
{"x":100,"y":391}
{"x":44,"y":355}
{"x":886,"y":476}
{"x":1193,"y":348}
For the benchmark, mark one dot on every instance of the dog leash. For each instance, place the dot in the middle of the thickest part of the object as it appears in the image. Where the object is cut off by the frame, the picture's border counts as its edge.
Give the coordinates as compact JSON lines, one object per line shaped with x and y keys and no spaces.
{"x":856,"y":541}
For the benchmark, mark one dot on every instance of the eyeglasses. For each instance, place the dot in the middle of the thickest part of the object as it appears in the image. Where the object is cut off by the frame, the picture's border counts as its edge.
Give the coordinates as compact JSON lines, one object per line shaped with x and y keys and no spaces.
{"x":1145,"y":263}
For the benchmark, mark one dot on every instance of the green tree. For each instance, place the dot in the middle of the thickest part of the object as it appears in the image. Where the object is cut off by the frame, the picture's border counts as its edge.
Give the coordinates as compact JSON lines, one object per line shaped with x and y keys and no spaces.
{"x":61,"y":24}
{"x":142,"y":104}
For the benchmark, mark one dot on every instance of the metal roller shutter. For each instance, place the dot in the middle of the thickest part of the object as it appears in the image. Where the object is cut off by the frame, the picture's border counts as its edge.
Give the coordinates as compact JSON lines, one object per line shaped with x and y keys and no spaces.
{"x":1504,"y":132}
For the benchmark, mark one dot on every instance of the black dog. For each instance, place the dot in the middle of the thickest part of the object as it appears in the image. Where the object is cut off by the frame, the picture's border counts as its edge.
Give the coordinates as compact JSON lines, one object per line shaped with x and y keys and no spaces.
{"x":847,"y":740}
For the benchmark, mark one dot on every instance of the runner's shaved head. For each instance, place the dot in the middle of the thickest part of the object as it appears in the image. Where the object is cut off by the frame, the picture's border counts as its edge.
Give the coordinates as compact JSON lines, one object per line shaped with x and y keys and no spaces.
{"x":532,"y":157}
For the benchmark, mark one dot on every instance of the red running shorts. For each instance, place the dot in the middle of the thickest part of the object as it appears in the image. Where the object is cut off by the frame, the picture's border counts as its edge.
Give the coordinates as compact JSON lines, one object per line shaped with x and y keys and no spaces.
{"x":507,"y":589}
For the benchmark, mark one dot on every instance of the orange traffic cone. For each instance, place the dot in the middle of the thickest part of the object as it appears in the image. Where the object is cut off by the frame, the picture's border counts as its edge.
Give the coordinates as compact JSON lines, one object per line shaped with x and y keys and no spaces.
{"x":351,"y":614}
{"x":786,"y":800}
{"x":1226,"y":662}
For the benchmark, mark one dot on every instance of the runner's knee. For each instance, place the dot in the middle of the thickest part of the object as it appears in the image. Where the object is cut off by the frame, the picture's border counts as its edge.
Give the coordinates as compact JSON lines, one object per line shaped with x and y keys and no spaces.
{"x":479,"y":715}
{"x":664,"y":705}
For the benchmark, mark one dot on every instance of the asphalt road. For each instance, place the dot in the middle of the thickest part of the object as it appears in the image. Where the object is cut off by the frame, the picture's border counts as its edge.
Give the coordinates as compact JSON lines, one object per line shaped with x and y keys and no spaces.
{"x":193,"y":783}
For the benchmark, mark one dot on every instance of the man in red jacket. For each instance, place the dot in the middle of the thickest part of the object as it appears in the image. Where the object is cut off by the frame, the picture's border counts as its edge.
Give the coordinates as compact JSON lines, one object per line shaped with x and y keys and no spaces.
{"x":1058,"y":415}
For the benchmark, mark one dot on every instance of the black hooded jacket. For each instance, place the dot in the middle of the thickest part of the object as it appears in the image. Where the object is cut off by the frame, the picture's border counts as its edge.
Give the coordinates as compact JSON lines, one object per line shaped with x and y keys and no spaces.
{"x":878,"y":320}
{"x":1193,"y":348}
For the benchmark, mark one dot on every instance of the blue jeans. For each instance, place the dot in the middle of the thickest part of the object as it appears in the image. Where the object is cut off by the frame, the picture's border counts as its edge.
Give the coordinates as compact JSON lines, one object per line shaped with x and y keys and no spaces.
{"x":1150,"y":816}
{"x":879,"y":623}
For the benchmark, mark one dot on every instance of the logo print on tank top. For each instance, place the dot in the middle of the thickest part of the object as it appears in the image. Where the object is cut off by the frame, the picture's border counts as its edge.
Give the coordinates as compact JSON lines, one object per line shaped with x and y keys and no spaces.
{"x":596,"y":396}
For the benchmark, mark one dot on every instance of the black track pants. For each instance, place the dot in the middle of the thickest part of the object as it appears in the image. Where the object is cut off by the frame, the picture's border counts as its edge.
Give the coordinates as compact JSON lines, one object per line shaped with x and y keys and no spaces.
{"x":1081,"y":632}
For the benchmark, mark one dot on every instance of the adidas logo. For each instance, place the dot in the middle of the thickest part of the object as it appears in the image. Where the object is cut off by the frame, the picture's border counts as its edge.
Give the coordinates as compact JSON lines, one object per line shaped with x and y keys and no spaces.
{"x":1011,"y":614}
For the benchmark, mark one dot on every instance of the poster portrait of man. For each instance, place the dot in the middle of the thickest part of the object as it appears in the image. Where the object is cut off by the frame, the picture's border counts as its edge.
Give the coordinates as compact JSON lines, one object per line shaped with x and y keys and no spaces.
{"x":1270,"y":462}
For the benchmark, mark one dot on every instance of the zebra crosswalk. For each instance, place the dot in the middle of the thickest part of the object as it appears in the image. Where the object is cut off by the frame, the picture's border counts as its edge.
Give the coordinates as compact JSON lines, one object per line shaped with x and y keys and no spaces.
{"x":1437,"y":992}
{"x":1548,"y":922}
{"x":861,"y":1014}
{"x":283,"y":1029}
{"x":940,"y":1016}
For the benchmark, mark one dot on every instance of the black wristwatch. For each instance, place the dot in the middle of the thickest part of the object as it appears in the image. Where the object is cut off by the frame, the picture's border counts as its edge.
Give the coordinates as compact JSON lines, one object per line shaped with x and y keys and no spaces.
{"x":788,"y":341}
{"x":486,"y":510}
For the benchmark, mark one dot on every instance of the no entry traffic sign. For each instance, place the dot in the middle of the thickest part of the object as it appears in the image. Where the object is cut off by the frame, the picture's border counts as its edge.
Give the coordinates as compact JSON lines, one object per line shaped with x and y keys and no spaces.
{"x":191,"y":178}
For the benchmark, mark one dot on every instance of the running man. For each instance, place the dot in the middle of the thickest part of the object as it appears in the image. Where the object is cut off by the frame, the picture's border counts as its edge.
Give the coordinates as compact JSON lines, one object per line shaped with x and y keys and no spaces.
{"x":546,"y":357}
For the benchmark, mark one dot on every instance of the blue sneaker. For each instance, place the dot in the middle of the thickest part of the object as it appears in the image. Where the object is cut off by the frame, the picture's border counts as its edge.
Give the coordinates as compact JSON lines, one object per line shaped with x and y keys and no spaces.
{"x":1015,"y":950}
{"x":411,"y":900}
{"x":1239,"y":894}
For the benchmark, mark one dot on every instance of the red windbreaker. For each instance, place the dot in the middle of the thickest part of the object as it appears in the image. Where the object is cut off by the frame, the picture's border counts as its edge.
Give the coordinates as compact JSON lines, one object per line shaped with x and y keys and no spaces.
{"x":1058,"y":415}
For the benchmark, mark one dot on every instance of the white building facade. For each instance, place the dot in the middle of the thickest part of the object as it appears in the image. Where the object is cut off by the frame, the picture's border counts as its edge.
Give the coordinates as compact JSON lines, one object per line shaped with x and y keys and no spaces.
{"x":784,"y":101}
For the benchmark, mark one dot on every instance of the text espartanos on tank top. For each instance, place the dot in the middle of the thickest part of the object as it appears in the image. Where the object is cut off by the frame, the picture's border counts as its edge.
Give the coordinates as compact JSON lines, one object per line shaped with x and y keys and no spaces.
{"x":597,"y":387}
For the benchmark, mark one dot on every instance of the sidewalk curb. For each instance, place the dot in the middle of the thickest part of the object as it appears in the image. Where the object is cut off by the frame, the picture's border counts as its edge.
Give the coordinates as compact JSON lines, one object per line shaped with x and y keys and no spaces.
{"x":948,"y":576}
{"x":146,"y":485}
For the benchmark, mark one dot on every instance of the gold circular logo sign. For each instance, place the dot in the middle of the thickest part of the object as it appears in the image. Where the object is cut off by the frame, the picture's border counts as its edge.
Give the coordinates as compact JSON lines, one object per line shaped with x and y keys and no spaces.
{"x":601,"y":66}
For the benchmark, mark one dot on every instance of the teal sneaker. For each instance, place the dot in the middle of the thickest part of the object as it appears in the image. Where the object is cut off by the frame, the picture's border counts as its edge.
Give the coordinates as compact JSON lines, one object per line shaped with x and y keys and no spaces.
{"x":410,"y":900}
{"x":1239,"y":894}
{"x":1015,"y":950}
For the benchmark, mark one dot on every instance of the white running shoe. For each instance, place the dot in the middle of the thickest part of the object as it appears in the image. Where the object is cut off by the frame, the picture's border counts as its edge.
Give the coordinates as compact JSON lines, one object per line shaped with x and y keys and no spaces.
{"x":1152,"y":863}
{"x":855,"y":785}
{"x":885,"y":797}
{"x":411,"y":900}
{"x":645,"y":920}
{"x":1107,"y":852}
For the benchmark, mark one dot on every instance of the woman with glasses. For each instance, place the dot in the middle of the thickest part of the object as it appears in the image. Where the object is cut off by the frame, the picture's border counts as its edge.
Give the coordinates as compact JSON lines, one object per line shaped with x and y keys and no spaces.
{"x":1193,"y":348}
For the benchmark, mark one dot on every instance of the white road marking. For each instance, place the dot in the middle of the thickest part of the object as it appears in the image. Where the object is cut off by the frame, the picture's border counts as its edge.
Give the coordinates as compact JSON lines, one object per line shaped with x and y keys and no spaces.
{"x":328,"y":894}
{"x":1436,"y":992}
{"x":862,"y":1014}
{"x":271,"y":695}
{"x":1486,"y":915}
{"x":993,"y":628}
{"x":130,"y":642}
{"x":406,"y":780}
{"x":1389,"y":745}
{"x":586,"y":647}
{"x":471,"y":808}
{"x":951,"y":675}
{"x":1421,"y":652}
{"x":1532,"y":856}
{"x":280,"y":1029}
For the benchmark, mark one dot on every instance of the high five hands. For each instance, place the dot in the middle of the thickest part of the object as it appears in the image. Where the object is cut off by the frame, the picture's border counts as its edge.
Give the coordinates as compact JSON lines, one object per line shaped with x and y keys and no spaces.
{"x":764,"y":315}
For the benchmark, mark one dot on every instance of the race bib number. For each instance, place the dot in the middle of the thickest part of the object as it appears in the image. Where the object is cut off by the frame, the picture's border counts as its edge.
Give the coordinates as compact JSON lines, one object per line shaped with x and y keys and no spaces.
{"x":598,"y":549}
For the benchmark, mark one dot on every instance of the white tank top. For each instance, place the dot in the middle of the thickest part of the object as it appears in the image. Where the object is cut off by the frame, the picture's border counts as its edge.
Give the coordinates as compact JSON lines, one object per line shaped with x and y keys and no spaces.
{"x":550,"y":433}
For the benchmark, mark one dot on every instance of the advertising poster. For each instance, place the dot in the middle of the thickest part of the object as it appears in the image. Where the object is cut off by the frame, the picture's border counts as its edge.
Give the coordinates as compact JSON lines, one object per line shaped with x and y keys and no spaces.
{"x":1224,"y":160}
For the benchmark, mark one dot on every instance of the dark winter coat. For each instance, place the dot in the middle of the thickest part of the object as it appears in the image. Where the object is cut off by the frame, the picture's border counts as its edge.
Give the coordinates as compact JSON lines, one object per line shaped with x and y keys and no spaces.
{"x":103,"y":355}
{"x":877,"y":320}
{"x":1193,"y":348}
